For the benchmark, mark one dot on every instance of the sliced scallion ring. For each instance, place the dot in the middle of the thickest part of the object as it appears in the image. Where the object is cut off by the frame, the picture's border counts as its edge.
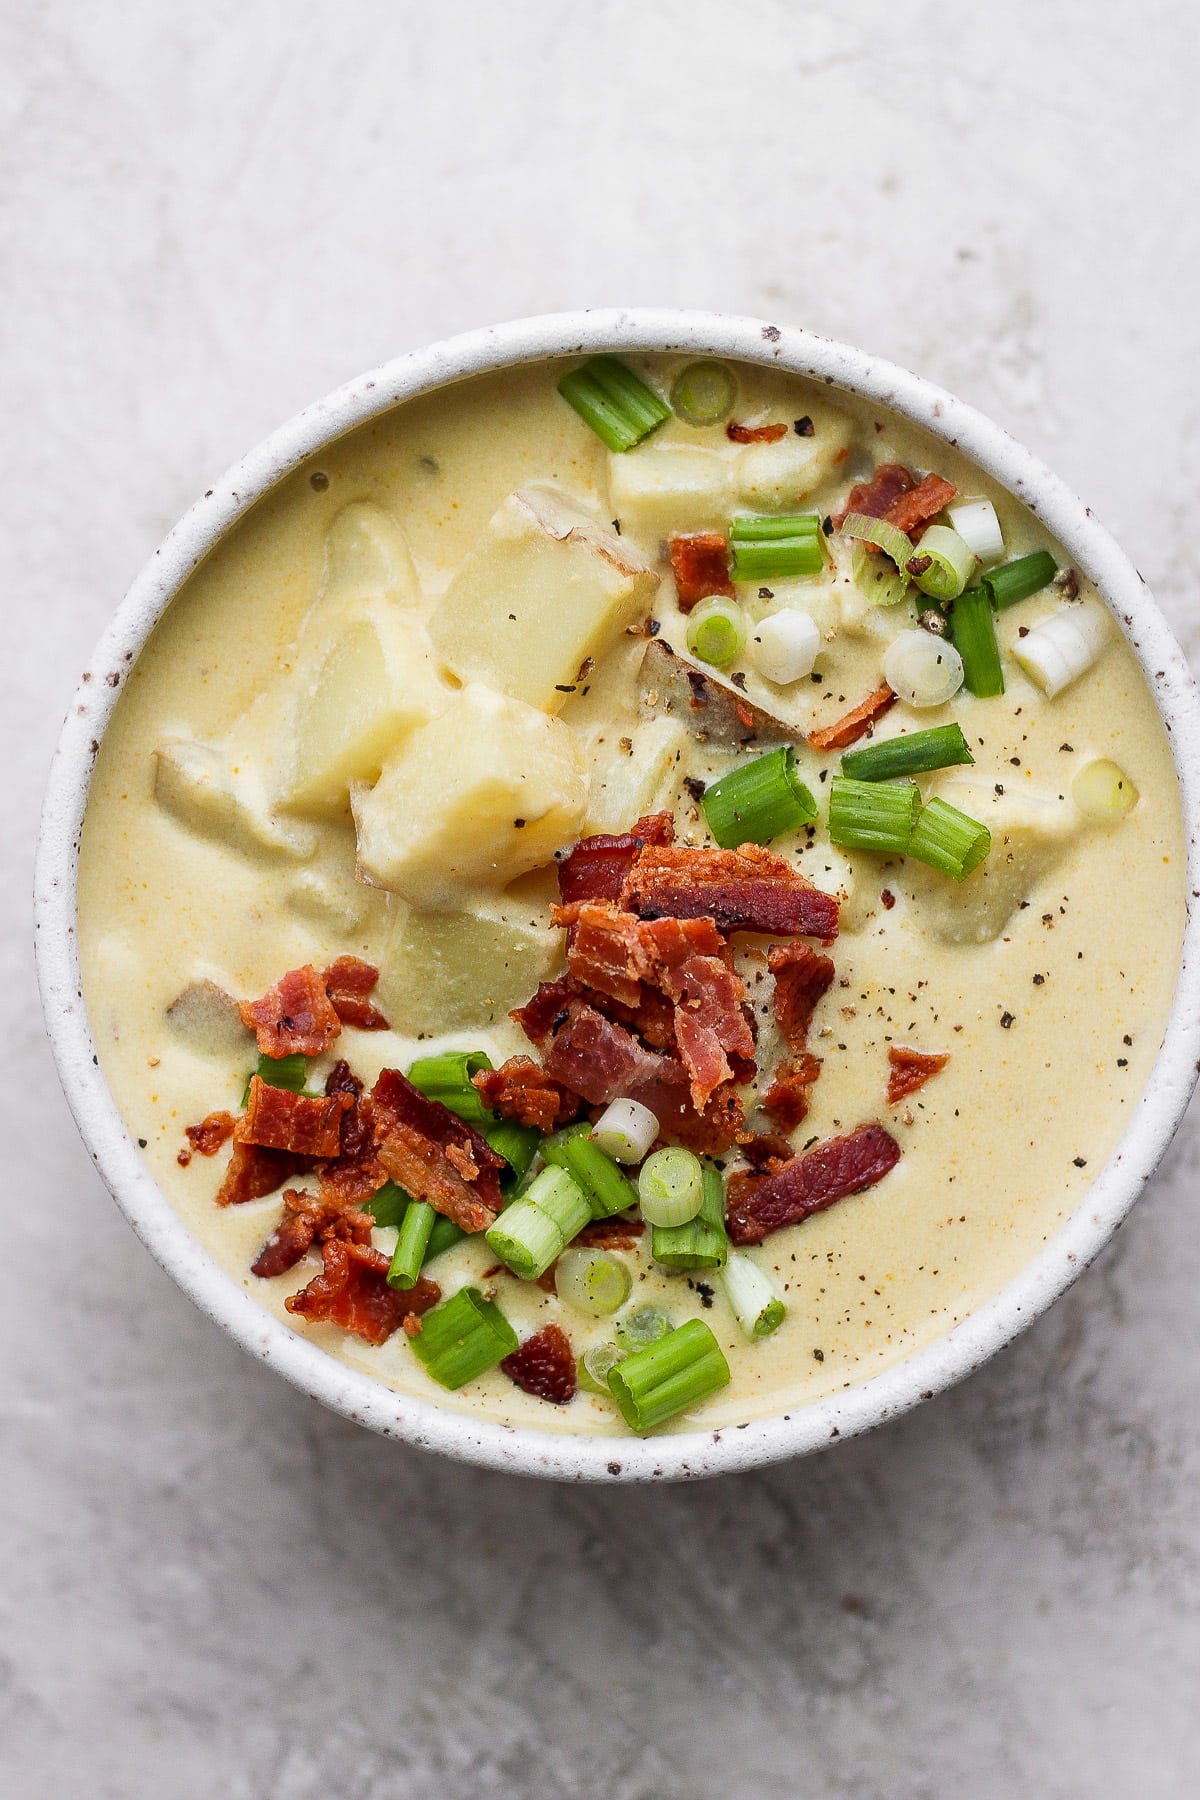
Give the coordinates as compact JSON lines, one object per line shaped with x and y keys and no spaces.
{"x":704,"y":393}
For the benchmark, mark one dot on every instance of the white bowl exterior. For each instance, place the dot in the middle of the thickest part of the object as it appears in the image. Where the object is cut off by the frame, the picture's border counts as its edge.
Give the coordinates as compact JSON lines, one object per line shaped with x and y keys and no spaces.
{"x":557,"y":1454}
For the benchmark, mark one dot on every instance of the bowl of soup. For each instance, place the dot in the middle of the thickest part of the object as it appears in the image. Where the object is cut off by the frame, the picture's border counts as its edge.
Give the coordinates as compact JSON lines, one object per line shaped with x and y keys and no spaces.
{"x":615,"y":901}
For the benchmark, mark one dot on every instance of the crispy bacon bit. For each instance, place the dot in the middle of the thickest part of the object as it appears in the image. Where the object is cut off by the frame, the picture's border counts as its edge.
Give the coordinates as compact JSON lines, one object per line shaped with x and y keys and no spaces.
{"x":809,"y":1183}
{"x":875,"y":497}
{"x":342,"y":1080}
{"x":277,"y":1119}
{"x":764,"y":1150}
{"x":856,"y":723}
{"x":597,"y":866}
{"x":755,"y":434}
{"x":802,"y":976}
{"x":910,"y":1069}
{"x":208,"y":1136}
{"x":544,"y":1366}
{"x":610,"y":1234}
{"x":605,"y":951}
{"x":305,"y":1218}
{"x":253,"y":1172}
{"x":700,"y":565}
{"x":520,"y":1089}
{"x":433,"y":1155}
{"x":348,"y":982}
{"x":786,"y":1101}
{"x":750,"y":889}
{"x":352,"y":1291}
{"x":296,"y":1016}
{"x":917,"y":506}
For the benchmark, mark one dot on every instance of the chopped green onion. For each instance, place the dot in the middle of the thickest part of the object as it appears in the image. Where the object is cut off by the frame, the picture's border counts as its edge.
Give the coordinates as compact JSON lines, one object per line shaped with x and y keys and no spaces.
{"x":701,"y":1243}
{"x":756,"y":1302}
{"x":605,"y":1188}
{"x":1063,"y":647}
{"x":890,"y":539}
{"x":977,"y":525}
{"x":554,"y":1148}
{"x":758,"y":800}
{"x":615,"y":402}
{"x":949,"y":840}
{"x":915,"y":753}
{"x":388,"y":1204}
{"x":785,"y":645}
{"x":950,"y":563}
{"x":517,"y":1144}
{"x":1017,"y":580}
{"x":1103,"y":792}
{"x":443,"y":1237}
{"x":704,"y":393}
{"x":448,"y":1078}
{"x":625,"y":1130}
{"x":412,"y":1245}
{"x":462,"y":1338}
{"x":872,"y":815}
{"x":290,"y":1072}
{"x":973,"y":634}
{"x":644,"y":1325}
{"x":653,"y":1385}
{"x":597,"y":1364}
{"x":922,"y":668}
{"x":716,"y":631}
{"x":877,"y":577}
{"x":776,"y":545}
{"x":592,"y":1281}
{"x":671,"y":1186}
{"x":536,"y":1228}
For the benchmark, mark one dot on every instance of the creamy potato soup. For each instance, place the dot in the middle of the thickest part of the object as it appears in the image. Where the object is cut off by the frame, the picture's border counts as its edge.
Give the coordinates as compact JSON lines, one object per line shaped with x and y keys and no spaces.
{"x":625,"y":869}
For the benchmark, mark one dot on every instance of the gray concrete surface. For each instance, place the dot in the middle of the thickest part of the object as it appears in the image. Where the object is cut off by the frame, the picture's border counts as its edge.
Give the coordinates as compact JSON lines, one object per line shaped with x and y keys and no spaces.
{"x":209,"y":216}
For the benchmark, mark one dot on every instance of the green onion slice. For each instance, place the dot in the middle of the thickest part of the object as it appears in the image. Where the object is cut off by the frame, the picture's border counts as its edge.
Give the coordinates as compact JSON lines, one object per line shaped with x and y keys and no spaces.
{"x":517,"y":1144}
{"x":973,"y":634}
{"x":605,"y":1188}
{"x":756,"y":1302}
{"x":463,"y":1338}
{"x":592,"y":1281}
{"x":538,"y":1226}
{"x":872,"y":815}
{"x":443,"y":1237}
{"x":412,"y":1245}
{"x":615,"y":402}
{"x":290,"y":1072}
{"x":597,"y":1364}
{"x":877,"y":577}
{"x":890,"y":539}
{"x":949,"y":840}
{"x":1103,"y":792}
{"x":704,"y":393}
{"x":942,"y":563}
{"x":1017,"y":580}
{"x":914,"y":753}
{"x":448,"y":1078}
{"x":683,"y":1369}
{"x":644,"y":1325}
{"x":758,"y":801}
{"x":671,"y":1186}
{"x":776,"y":545}
{"x":388,"y":1204}
{"x":702,"y":1242}
{"x":716,"y":631}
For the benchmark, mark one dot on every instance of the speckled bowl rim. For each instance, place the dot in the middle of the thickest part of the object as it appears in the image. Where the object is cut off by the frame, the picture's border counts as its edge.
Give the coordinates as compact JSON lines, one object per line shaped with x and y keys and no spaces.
{"x":558,"y":1454}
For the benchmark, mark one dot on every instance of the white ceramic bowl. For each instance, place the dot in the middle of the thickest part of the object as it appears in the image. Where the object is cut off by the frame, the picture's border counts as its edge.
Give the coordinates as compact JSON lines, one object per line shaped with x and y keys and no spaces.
{"x":558,"y":1454}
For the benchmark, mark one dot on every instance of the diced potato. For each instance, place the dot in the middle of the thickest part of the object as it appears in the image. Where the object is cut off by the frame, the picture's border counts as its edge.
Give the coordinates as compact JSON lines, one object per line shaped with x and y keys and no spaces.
{"x":375,"y":683}
{"x":199,"y":787}
{"x":1029,"y":832}
{"x":780,"y":477}
{"x":546,"y":589}
{"x":628,"y":782}
{"x":484,"y":793}
{"x":660,"y":488}
{"x":367,"y":554}
{"x":451,"y":971}
{"x":203,"y":1017}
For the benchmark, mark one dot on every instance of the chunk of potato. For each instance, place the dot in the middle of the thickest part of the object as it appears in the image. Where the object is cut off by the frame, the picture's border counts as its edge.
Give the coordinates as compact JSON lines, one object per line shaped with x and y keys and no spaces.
{"x":782,"y":476}
{"x":626,"y":783}
{"x":451,"y":971}
{"x":487,"y":791}
{"x":546,"y":589}
{"x":660,"y":488}
{"x":1029,"y":833}
{"x":374,"y":684}
{"x":367,"y":554}
{"x":204,"y":1017}
{"x":198,"y":785}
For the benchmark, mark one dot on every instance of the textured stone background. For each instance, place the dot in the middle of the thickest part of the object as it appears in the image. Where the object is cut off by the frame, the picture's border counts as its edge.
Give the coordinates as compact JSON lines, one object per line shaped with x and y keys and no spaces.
{"x":209,"y":216}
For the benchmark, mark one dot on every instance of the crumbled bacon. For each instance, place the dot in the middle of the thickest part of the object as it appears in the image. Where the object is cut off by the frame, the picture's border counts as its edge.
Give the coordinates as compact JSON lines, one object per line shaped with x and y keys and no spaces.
{"x":876,"y":496}
{"x":305,"y":1218}
{"x":809,"y":1183}
{"x":917,"y":506}
{"x":750,"y":889}
{"x":306,"y":1125}
{"x":700,"y":565}
{"x":208,"y":1136}
{"x":348,"y":982}
{"x":764,"y":1150}
{"x":786,"y":1101}
{"x":253,"y":1172}
{"x":435,"y":1156}
{"x":352,"y":1291}
{"x":544,"y":1366}
{"x":909,"y":1070}
{"x":854,"y":724}
{"x":755,"y":434}
{"x":295,"y":1017}
{"x":520,"y":1089}
{"x":597,"y":866}
{"x":802,"y":976}
{"x":610,"y":1234}
{"x":342,"y":1080}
